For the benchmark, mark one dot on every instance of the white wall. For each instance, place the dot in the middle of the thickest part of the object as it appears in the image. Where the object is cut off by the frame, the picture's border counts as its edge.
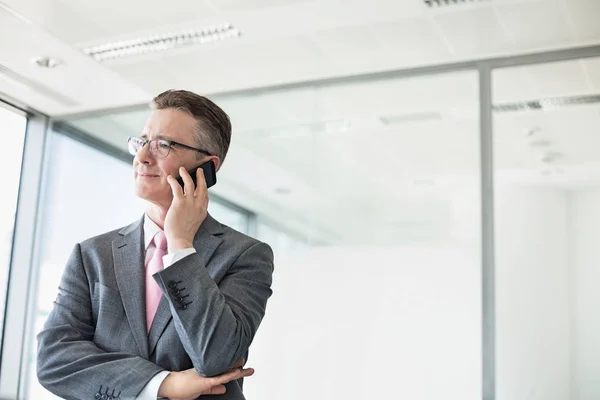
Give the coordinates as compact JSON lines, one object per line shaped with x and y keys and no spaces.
{"x":532,"y":294}
{"x":350,"y":323}
{"x":584,"y":209}
{"x":371,"y":323}
{"x":548,"y":278}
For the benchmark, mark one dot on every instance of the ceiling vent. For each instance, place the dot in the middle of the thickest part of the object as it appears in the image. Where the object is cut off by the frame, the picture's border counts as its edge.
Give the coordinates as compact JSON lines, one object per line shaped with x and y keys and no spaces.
{"x":445,"y":3}
{"x":547,"y":104}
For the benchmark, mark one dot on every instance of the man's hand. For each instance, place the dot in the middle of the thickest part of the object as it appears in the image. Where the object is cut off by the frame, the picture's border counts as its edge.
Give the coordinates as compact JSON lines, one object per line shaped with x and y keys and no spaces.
{"x":188,"y":385}
{"x":187,"y":212}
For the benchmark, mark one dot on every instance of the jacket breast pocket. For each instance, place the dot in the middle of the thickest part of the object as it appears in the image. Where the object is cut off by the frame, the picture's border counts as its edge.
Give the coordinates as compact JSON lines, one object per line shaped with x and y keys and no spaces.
{"x":112,"y":331}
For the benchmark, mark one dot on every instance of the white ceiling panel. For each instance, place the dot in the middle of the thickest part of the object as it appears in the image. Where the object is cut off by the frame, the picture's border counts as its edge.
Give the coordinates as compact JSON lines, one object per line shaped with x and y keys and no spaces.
{"x":584,"y":14}
{"x":113,"y":16}
{"x":154,"y":77}
{"x":200,"y":71}
{"x":565,"y":78}
{"x":351,"y":49}
{"x":178,"y":11}
{"x":61,"y":19}
{"x":536,"y":24}
{"x":227,"y":6}
{"x":275,"y":62}
{"x":512,"y":85}
{"x":474,"y":31}
{"x":411,"y":40}
{"x":539,"y":81}
{"x":591,"y":67}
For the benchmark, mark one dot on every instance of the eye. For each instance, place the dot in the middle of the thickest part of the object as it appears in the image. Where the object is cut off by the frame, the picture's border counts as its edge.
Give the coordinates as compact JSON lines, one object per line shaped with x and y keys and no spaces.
{"x":163,"y":145}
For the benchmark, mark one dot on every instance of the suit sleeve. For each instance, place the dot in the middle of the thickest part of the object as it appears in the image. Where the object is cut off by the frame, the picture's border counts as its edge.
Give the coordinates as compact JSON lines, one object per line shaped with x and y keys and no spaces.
{"x":69,"y":364}
{"x":217,"y":323}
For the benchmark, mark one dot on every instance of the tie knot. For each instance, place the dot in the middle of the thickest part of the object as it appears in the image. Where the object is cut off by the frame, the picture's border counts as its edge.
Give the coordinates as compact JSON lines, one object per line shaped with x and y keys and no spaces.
{"x":160,"y":240}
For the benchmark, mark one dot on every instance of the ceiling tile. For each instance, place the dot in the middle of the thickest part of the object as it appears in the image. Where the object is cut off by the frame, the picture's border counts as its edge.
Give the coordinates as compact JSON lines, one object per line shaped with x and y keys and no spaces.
{"x":584,"y":14}
{"x":591,"y":67}
{"x":246,"y":5}
{"x":566,"y":78}
{"x":512,"y":85}
{"x":266,"y":64}
{"x":411,"y":41}
{"x":154,"y":77}
{"x":351,"y":49}
{"x":536,"y":24}
{"x":473,"y":31}
{"x":200,"y":71}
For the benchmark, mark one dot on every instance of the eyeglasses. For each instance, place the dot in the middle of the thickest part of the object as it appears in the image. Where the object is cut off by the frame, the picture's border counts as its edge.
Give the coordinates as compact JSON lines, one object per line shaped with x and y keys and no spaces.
{"x":159,"y":148}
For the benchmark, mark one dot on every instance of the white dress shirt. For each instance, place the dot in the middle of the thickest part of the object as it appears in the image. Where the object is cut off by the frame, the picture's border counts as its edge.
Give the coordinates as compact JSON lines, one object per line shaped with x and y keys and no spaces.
{"x":150,"y":391}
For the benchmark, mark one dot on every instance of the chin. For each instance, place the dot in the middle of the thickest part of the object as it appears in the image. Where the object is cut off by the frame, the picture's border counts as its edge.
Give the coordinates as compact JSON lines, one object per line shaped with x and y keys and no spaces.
{"x":153,"y":196}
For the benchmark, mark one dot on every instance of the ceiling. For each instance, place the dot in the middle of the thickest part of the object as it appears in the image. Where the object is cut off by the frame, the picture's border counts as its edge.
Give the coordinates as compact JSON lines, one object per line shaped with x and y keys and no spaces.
{"x":282,"y":41}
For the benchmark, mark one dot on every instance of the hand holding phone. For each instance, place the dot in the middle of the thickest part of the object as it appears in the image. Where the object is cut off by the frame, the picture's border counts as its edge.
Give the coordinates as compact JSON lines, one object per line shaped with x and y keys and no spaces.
{"x":210,"y":174}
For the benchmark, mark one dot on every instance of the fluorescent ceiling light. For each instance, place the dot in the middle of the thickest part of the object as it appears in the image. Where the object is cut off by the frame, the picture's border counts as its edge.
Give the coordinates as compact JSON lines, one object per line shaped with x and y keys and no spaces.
{"x":161,"y":42}
{"x":549,"y":103}
{"x":443,"y":3}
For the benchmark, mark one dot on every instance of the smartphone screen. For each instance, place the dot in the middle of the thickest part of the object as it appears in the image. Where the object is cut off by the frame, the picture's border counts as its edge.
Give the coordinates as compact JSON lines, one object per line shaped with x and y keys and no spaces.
{"x":210,"y":174}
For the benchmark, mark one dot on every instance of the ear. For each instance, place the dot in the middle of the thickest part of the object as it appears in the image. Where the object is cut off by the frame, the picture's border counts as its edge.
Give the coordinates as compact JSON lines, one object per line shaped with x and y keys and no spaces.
{"x":217,"y":162}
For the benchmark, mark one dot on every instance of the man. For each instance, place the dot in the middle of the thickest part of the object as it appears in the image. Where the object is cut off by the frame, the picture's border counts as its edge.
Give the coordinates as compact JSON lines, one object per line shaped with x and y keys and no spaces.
{"x":169,"y":305}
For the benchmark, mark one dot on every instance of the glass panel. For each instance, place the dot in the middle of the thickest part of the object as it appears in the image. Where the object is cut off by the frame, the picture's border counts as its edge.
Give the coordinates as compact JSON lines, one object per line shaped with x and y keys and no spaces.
{"x":13,"y":137}
{"x":547,"y":191}
{"x":229,"y":216}
{"x":369,"y":193}
{"x":73,"y":209}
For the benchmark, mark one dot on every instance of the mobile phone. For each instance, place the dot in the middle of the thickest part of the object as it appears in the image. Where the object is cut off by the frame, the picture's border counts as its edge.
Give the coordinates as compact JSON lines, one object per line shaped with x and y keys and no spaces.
{"x":210,"y":174}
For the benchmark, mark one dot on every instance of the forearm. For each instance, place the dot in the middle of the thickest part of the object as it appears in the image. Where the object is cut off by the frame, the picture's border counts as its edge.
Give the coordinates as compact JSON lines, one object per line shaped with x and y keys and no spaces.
{"x":216,"y":323}
{"x":73,"y":368}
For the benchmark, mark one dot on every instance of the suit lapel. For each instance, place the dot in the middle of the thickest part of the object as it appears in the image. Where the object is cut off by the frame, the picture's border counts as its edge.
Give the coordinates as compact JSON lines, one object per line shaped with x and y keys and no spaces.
{"x":128,"y":253}
{"x":205,"y":243}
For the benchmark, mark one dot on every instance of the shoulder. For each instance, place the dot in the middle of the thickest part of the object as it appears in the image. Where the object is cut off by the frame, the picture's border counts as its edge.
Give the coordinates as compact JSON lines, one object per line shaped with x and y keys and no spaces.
{"x":106,"y":239}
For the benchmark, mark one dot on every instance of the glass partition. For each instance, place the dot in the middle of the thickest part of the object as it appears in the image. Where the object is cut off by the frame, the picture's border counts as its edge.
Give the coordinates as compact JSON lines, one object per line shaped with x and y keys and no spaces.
{"x":547,"y":191}
{"x":369,"y":193}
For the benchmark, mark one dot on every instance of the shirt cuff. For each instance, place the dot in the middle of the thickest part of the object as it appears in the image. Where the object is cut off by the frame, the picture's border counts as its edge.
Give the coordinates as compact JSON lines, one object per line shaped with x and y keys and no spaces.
{"x":150,"y":391}
{"x":170,"y":259}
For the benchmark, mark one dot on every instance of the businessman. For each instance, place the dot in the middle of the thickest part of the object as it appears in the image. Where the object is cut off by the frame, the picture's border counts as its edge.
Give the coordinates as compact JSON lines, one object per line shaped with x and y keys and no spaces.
{"x":168,"y":306}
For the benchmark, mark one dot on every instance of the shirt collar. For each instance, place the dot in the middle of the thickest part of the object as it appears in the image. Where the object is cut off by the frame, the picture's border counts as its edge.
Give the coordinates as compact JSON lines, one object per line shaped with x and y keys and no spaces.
{"x":150,"y":229}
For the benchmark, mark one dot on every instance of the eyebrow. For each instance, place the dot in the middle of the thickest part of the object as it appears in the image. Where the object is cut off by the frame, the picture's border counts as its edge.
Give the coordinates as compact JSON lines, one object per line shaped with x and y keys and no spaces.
{"x":145,"y":136}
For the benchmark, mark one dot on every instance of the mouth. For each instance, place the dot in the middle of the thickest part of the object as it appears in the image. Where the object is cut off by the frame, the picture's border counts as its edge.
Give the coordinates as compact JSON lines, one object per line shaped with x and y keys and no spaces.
{"x":147,"y":176}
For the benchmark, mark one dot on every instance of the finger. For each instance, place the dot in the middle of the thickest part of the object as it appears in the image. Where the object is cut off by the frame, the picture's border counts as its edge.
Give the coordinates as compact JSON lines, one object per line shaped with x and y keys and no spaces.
{"x":238,"y":364}
{"x":188,"y":184}
{"x":232,"y":376}
{"x":200,"y":182}
{"x":220,"y":389}
{"x":175,"y":186}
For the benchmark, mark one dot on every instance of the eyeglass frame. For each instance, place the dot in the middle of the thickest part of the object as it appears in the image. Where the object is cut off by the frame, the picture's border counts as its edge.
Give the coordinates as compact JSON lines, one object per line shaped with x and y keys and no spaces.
{"x":171,"y":143}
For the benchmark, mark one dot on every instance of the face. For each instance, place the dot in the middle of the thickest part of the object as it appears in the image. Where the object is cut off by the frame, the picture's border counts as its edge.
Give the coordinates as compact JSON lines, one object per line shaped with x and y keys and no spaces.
{"x":150,"y":172}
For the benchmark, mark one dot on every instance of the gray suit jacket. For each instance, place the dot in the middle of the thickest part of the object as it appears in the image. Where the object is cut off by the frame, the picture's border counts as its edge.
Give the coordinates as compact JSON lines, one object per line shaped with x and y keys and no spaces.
{"x":95,"y":340}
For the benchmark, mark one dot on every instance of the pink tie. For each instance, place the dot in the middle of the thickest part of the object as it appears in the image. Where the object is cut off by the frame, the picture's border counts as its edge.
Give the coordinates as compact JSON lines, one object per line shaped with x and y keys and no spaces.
{"x":153,"y":292}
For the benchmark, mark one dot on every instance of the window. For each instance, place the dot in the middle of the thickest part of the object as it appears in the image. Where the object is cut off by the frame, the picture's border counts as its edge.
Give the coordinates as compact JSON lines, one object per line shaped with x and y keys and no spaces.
{"x":13,"y":137}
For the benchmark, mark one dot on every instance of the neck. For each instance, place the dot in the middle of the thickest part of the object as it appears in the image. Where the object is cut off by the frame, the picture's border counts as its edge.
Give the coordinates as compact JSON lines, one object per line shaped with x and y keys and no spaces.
{"x":157,"y":214}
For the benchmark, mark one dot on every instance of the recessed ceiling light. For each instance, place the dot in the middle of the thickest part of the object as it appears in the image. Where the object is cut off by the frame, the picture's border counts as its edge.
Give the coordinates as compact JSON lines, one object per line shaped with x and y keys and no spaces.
{"x":283,"y":190}
{"x":46,"y":62}
{"x":161,"y":42}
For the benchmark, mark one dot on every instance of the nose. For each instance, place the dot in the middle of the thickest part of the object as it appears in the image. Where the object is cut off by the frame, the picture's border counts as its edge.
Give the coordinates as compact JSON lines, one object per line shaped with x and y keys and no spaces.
{"x":143,"y":155}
